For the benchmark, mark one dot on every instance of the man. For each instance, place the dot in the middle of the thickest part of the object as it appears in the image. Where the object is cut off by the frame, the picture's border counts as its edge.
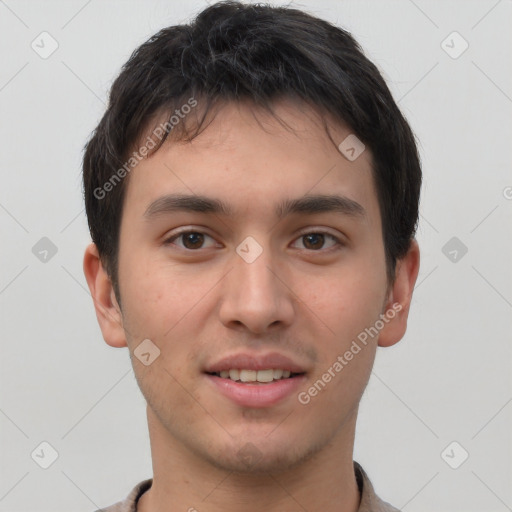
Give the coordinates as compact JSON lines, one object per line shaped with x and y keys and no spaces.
{"x":252,"y":194}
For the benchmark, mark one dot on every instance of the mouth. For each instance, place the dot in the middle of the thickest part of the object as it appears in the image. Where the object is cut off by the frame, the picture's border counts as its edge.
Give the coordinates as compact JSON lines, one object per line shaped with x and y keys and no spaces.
{"x":264,"y":377}
{"x":256,"y":389}
{"x":255,"y":380}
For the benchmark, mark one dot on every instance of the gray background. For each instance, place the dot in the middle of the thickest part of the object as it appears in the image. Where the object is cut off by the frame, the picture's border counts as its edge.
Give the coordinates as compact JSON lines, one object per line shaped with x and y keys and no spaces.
{"x":448,"y":380}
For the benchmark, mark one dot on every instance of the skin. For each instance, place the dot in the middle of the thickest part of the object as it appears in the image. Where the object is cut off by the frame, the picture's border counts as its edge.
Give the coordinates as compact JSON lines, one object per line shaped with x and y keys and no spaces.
{"x":299,"y":297}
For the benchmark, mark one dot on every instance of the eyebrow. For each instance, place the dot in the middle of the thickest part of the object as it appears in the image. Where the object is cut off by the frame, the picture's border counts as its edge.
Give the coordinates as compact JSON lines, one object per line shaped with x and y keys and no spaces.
{"x":309,"y":205}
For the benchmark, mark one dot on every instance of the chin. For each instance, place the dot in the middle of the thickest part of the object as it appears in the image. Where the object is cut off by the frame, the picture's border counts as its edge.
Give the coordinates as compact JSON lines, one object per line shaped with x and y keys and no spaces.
{"x":252,"y":458}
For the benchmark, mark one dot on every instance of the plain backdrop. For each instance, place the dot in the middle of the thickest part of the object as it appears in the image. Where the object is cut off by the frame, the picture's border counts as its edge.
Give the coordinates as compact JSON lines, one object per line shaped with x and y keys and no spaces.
{"x":442,"y":394}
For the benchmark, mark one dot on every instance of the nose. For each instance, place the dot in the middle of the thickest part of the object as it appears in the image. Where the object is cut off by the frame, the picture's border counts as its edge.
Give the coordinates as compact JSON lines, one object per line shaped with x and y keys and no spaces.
{"x":256,"y":296}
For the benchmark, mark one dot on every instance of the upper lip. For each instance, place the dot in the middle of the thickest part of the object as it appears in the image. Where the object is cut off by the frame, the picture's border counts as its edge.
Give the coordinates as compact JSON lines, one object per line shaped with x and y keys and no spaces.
{"x":246,"y":361}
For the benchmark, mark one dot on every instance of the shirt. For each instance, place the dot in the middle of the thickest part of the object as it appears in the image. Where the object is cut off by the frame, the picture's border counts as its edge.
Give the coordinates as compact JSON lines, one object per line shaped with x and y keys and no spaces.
{"x":370,"y":502}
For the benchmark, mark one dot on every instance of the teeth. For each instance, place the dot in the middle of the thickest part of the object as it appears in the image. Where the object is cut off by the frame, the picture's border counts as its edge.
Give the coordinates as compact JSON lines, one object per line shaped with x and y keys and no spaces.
{"x":265,"y":375}
{"x":255,"y":376}
{"x":248,"y":375}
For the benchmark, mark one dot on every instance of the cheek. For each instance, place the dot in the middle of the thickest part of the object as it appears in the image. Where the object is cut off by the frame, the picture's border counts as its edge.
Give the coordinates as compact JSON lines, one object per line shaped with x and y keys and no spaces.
{"x":344,"y":303}
{"x":170,"y":394}
{"x":163,"y":305}
{"x":155,"y":298}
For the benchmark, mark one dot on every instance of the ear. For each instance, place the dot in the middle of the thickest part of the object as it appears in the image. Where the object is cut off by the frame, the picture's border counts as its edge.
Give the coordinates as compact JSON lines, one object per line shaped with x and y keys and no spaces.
{"x":107,"y":309}
{"x":399,"y":297}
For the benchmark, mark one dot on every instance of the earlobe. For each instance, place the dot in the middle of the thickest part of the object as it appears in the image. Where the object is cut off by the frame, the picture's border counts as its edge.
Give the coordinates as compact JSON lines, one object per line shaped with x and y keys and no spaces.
{"x":107,"y":309}
{"x":400,"y":295}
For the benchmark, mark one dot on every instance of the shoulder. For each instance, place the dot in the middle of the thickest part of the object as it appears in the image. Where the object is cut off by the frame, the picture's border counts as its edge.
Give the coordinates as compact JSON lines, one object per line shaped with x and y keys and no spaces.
{"x":370,"y":502}
{"x":129,"y":504}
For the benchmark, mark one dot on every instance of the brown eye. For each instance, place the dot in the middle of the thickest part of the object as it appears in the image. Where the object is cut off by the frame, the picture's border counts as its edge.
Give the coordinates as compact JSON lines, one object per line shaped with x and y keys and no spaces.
{"x":315,"y":241}
{"x":190,"y":240}
{"x":193,"y":240}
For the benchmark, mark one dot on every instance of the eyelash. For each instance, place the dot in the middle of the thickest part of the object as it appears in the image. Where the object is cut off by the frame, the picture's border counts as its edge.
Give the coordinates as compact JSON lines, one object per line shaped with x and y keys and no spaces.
{"x":338,"y":245}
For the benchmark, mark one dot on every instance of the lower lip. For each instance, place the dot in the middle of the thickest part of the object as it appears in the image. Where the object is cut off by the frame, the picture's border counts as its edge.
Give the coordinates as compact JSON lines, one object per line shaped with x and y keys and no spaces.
{"x":257,"y":395}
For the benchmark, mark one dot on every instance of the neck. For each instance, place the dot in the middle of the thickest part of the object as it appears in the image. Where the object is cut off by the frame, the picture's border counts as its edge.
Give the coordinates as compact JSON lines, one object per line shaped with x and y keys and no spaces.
{"x":324,"y":480}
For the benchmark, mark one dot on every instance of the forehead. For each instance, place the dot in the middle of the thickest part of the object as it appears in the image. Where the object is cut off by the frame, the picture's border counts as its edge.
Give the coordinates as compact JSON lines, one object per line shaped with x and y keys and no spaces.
{"x":247,"y":157}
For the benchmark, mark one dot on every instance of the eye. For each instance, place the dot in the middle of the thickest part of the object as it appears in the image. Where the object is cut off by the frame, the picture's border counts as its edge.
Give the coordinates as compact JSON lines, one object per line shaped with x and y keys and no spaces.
{"x":194,"y":240}
{"x":191,"y":239}
{"x":314,"y":240}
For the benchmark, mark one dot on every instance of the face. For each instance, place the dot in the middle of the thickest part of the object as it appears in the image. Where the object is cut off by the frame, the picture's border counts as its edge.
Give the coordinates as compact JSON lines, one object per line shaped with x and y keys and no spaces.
{"x":276,"y":279}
